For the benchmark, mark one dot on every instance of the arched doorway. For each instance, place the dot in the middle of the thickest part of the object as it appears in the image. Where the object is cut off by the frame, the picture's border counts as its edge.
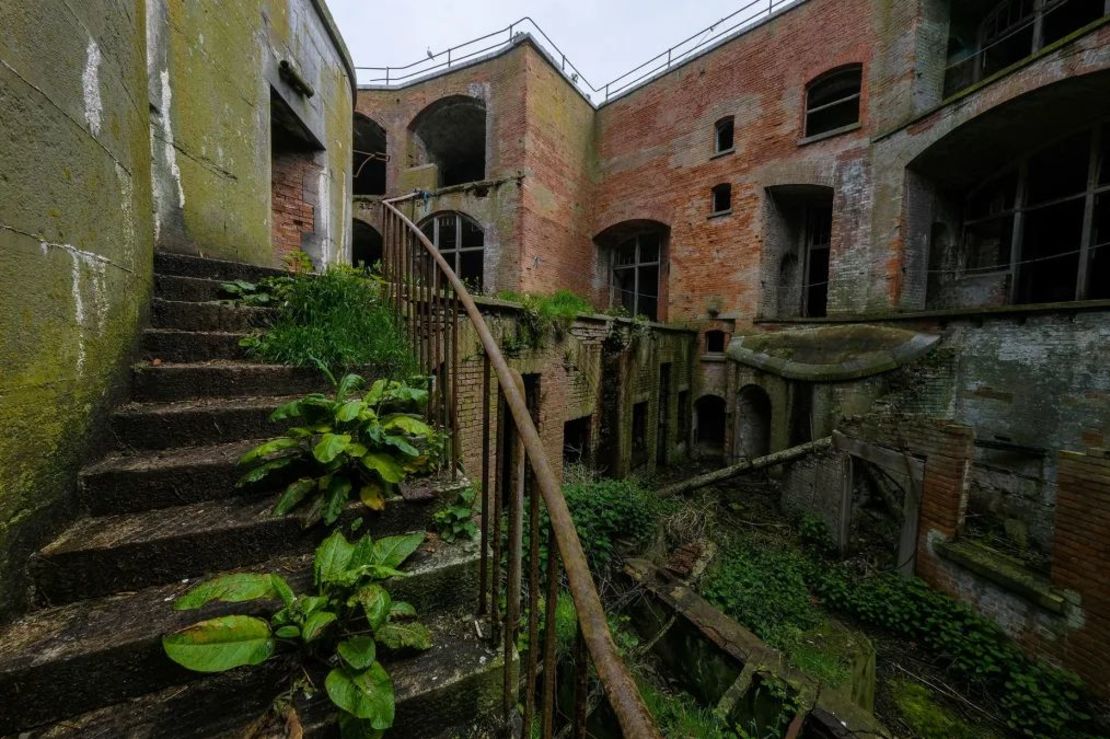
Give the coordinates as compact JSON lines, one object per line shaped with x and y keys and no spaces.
{"x":370,"y":156}
{"x":451,"y":133}
{"x":366,"y":245}
{"x":753,"y":422}
{"x":709,"y":425}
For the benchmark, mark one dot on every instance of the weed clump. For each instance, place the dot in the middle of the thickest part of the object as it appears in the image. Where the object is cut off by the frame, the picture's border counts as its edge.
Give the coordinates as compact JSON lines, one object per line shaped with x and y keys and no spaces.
{"x":339,"y":318}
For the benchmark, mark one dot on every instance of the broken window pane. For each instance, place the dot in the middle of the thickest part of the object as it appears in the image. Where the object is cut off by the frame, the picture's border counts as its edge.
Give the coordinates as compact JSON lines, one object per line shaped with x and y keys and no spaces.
{"x":1066,"y":17}
{"x":1104,"y":157}
{"x":995,"y":198}
{"x":1059,"y":170}
{"x":1098,"y":272}
{"x":987,"y":244}
{"x":1050,"y":253}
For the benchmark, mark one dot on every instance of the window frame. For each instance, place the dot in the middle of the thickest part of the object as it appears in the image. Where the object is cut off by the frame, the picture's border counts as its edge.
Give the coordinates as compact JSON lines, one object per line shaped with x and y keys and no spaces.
{"x":455,"y":254}
{"x":1021,"y":208}
{"x":815,"y":85}
{"x":636,"y":267}
{"x":729,"y":121}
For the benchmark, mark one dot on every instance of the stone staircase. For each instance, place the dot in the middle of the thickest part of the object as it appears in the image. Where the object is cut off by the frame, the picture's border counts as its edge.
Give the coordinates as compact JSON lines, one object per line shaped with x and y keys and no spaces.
{"x":162,"y":511}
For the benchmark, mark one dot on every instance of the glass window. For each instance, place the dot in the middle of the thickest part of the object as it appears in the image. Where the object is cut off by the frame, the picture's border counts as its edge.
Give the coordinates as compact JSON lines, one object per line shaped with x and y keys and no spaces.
{"x":635,"y":274}
{"x":1060,"y":170}
{"x":833,"y":101}
{"x":461,"y":242}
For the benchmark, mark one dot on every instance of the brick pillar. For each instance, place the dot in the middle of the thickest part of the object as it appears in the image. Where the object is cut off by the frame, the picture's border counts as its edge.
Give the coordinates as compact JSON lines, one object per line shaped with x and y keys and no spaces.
{"x":1081,"y":552}
{"x":948,"y":450}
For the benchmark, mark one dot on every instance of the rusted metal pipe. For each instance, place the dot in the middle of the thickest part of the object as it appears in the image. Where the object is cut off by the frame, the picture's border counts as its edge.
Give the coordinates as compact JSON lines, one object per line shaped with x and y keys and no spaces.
{"x":634,"y":718}
{"x":748,"y":465}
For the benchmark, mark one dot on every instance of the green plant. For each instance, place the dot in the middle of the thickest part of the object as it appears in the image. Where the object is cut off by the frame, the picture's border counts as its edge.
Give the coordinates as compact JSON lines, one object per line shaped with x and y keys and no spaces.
{"x":815,"y":535}
{"x":268,"y":292}
{"x":347,"y":445}
{"x":456,"y":519}
{"x":1038,"y":700}
{"x":339,"y":318}
{"x":609,"y":513}
{"x":338,"y":628}
{"x":541,"y":316}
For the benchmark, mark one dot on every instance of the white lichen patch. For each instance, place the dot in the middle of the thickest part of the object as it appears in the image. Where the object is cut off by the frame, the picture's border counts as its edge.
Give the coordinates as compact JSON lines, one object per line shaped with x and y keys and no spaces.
{"x":90,"y":85}
{"x":87,"y":273}
{"x":167,"y":131}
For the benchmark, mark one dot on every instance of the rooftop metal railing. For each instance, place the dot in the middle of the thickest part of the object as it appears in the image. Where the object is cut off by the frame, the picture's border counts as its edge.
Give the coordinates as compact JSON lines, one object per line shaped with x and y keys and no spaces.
{"x":429,"y":297}
{"x":749,"y":14}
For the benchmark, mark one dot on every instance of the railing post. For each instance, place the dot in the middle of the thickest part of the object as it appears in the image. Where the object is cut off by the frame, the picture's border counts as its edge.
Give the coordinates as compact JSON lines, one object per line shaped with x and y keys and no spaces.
{"x":516,"y":546}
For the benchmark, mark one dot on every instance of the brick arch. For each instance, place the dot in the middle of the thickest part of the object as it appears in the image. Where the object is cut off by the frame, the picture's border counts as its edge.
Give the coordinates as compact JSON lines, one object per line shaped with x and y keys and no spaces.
{"x":451,"y":133}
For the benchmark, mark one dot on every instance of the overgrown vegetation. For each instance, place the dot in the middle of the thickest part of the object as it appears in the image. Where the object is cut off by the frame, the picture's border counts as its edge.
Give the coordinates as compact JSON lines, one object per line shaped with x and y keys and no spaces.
{"x":339,"y":318}
{"x":612,"y":515}
{"x":774,"y":588}
{"x":764,"y":587}
{"x":347,"y":444}
{"x":456,"y":519}
{"x":926,"y":718}
{"x":339,"y":627}
{"x":543,"y":316}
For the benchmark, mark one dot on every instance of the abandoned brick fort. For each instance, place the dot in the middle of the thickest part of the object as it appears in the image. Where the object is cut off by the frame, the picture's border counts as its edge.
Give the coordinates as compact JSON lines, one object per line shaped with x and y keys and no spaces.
{"x":883,"y":222}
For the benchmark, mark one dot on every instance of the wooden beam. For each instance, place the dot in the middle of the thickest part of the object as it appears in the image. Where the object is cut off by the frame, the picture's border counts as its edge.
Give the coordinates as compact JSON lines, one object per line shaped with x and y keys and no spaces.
{"x":750,"y":465}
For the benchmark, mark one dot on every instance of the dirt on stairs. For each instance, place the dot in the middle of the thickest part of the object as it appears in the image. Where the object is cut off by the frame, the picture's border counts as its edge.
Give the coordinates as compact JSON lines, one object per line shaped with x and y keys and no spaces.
{"x":162,"y":511}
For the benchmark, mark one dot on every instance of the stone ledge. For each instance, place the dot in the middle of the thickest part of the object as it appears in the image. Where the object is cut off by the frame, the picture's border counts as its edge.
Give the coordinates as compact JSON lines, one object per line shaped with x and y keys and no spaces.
{"x":1004,"y":571}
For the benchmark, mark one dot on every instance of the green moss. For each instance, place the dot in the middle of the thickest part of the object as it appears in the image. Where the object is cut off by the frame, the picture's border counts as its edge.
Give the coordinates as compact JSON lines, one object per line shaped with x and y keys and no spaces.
{"x":927,"y":718}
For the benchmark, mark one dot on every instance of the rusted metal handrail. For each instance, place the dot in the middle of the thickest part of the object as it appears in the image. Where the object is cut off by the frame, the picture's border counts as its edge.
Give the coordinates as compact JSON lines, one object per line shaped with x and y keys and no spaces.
{"x":427,"y":294}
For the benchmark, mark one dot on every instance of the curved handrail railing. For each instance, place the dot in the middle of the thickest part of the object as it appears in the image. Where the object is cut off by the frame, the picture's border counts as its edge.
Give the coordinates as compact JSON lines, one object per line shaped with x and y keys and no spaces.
{"x":427,"y":293}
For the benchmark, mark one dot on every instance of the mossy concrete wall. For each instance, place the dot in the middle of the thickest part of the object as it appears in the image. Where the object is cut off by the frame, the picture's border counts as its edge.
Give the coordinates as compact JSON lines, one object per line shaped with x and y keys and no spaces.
{"x":213,"y":67}
{"x":75,"y":247}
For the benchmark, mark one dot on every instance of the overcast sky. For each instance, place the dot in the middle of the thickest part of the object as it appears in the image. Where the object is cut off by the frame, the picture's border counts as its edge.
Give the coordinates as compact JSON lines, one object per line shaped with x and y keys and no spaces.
{"x":603,"y":39}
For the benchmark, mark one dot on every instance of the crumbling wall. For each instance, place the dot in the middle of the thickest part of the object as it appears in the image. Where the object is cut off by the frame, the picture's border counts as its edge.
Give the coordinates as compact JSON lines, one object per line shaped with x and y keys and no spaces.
{"x":75,"y":250}
{"x":213,"y":68}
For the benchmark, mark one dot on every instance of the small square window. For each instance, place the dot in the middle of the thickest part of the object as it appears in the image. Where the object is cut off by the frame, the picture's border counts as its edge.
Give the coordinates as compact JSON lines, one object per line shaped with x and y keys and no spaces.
{"x":725,"y":130}
{"x":721,"y":198}
{"x":714,"y":342}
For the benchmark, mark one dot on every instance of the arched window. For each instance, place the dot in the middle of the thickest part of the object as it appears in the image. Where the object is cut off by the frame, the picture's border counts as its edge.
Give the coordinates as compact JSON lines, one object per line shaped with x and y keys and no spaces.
{"x":724,"y":135}
{"x":369,"y":156}
{"x":833,"y":99}
{"x":461,"y":242}
{"x":451,"y":134}
{"x":635,"y":251}
{"x":366,"y":245}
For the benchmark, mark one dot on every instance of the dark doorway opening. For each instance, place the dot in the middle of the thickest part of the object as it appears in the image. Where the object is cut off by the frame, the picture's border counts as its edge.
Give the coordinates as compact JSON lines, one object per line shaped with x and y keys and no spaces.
{"x":753,"y":422}
{"x":639,"y":434}
{"x":370,"y":157}
{"x":576,"y":441}
{"x":366,"y":246}
{"x":709,"y":425}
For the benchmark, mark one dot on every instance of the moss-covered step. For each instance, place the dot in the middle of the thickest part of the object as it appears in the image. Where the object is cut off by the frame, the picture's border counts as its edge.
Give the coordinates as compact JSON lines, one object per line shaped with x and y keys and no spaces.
{"x":80,"y":657}
{"x":183,"y":265}
{"x":174,"y":345}
{"x":142,"y":481}
{"x":459,"y":678}
{"x":110,"y":554}
{"x":221,"y":379}
{"x":189,"y":289}
{"x":196,"y":422}
{"x":211,"y":316}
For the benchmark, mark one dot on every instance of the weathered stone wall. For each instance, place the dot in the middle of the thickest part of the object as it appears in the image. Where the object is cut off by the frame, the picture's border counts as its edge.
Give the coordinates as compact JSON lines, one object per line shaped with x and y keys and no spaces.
{"x":75,"y":248}
{"x":577,"y":376}
{"x":212,"y":69}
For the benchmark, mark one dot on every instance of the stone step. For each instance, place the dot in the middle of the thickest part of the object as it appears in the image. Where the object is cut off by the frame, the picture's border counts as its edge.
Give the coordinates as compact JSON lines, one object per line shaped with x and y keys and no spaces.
{"x":110,"y":554}
{"x":189,"y":289}
{"x":172,"y":345}
{"x":196,"y":422}
{"x":183,"y":265}
{"x":221,"y":379}
{"x":78,"y":658}
{"x":211,"y":316}
{"x":164,"y":479}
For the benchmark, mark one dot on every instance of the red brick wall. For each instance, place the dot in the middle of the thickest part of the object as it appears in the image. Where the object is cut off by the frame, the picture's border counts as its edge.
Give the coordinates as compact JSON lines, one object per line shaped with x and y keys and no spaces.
{"x":293,"y":197}
{"x":1079,"y":562}
{"x":655,"y":149}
